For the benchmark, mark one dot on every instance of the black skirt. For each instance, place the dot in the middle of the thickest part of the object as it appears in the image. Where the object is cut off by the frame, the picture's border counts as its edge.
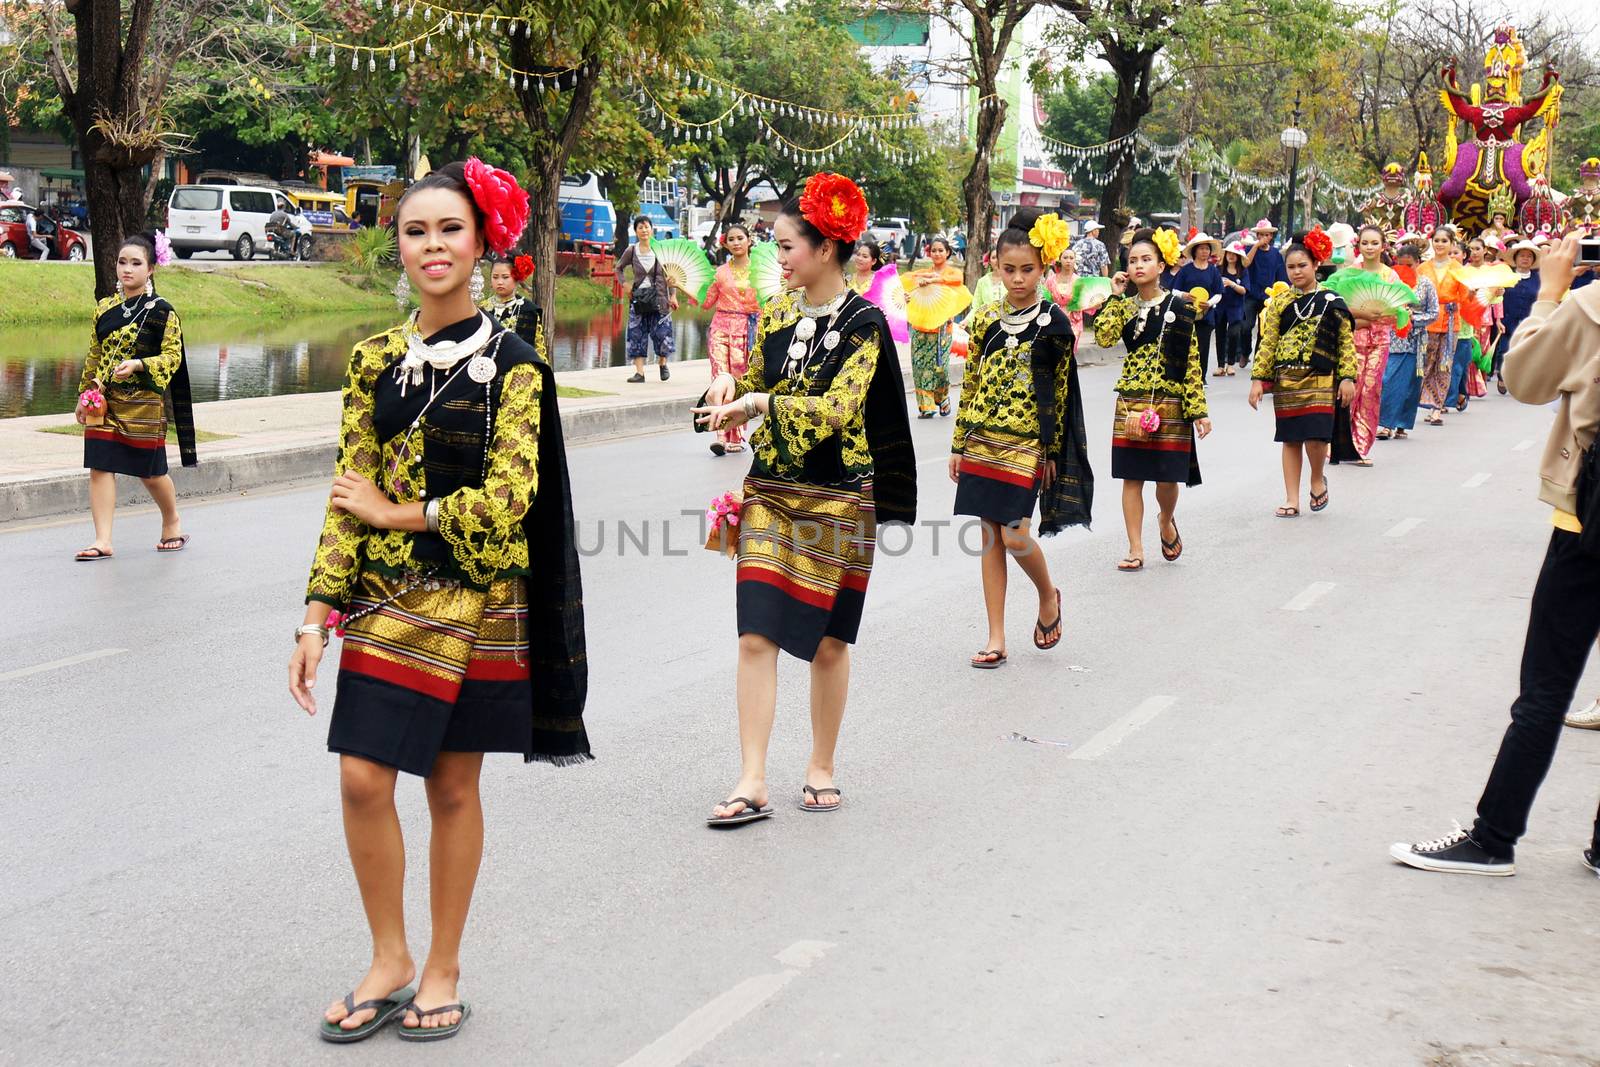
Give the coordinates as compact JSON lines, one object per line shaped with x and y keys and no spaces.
{"x":998,"y":477}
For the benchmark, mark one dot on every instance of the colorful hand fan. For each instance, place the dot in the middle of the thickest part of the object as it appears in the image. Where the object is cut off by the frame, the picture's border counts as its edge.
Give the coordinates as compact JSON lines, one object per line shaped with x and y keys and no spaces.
{"x":1089,"y":291}
{"x":766,"y":274}
{"x":929,"y":307}
{"x":887,"y":292}
{"x":1366,"y":293}
{"x":960,"y":342}
{"x":685,"y":265}
{"x":1490,"y":276}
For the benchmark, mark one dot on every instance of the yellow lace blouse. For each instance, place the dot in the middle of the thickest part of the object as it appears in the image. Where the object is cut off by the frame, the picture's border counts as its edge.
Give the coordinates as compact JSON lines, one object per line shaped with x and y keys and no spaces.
{"x":1291,"y":350}
{"x":798,"y":422}
{"x":1144,"y":369}
{"x":998,"y":393}
{"x":481,"y":526}
{"x":122,"y":343}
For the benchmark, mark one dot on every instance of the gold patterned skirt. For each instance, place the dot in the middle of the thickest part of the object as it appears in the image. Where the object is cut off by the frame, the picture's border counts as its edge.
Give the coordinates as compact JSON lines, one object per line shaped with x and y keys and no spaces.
{"x":805,"y":555}
{"x":998,"y":476}
{"x":1303,"y":401}
{"x":1167,"y":455}
{"x":133,"y":439}
{"x":430,"y":670}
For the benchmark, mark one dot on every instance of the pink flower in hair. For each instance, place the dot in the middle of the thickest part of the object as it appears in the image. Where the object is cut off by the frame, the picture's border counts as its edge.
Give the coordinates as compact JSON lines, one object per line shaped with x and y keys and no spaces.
{"x":503,"y":202}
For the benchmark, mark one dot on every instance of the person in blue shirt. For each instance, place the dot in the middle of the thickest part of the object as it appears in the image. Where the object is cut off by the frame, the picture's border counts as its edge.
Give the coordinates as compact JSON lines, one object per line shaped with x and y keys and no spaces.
{"x":1516,"y":302}
{"x":1201,"y":272}
{"x":1265,"y":264}
{"x":1232,"y":343}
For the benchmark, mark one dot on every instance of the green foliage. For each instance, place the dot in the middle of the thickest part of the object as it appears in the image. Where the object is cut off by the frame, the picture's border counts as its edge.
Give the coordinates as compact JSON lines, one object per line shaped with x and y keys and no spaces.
{"x":1080,"y":113}
{"x":370,"y":248}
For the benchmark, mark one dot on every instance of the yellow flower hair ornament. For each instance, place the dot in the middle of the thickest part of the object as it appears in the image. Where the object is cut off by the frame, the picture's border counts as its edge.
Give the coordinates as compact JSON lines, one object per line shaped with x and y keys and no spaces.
{"x":1277,"y":287}
{"x":1167,"y":243}
{"x":1051,"y":236}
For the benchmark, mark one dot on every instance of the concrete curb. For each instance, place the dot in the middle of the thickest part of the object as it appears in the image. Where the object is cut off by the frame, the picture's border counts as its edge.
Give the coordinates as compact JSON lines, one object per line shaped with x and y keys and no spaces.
{"x":56,"y":493}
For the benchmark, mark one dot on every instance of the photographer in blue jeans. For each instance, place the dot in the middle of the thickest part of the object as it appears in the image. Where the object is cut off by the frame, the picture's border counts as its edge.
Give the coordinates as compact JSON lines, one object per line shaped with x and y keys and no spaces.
{"x":1556,"y":357}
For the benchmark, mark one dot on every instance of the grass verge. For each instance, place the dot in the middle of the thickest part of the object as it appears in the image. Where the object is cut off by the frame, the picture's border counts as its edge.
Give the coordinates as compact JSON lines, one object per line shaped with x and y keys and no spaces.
{"x":72,"y":429}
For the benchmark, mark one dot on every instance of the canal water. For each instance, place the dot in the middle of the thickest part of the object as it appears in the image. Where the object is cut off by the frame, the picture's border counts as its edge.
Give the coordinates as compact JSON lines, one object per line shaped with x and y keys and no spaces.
{"x":40,"y":366}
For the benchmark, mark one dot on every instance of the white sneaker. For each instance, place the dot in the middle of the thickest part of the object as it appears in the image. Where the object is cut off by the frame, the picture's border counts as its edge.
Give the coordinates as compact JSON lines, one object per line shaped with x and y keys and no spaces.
{"x":1585,"y":718}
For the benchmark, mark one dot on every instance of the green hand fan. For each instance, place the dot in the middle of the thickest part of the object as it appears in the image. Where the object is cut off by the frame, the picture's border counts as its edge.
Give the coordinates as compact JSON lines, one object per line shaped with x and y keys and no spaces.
{"x":1088,"y":291}
{"x":1366,"y":293}
{"x":766,"y":274}
{"x":685,"y":265}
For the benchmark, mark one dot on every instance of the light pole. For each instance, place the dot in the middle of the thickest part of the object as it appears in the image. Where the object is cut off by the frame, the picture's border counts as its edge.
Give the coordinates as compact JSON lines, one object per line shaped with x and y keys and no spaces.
{"x":1293,"y":138}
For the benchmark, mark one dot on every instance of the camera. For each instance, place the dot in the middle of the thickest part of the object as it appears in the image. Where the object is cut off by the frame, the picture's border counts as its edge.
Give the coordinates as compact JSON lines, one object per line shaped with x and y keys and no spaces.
{"x":1588,"y":251}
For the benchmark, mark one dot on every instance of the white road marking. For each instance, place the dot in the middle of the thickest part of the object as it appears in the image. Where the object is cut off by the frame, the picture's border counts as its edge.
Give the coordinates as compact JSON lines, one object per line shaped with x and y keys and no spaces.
{"x":1309,"y":596}
{"x":706,"y":1023}
{"x":1403,"y":527}
{"x":1522,"y":446}
{"x":40,"y":668}
{"x":1476,"y":480}
{"x":1119,"y":731}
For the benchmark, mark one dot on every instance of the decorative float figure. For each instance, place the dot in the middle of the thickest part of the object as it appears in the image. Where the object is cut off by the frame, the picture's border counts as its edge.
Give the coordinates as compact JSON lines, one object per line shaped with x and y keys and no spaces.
{"x":1496,"y":112}
{"x":1424,"y":213}
{"x":1387,"y":208}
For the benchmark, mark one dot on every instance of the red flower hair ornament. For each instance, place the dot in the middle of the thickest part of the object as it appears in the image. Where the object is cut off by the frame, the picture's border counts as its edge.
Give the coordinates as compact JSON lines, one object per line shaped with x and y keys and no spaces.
{"x":1319,"y":244}
{"x":521,"y":269}
{"x":503,"y":202}
{"x":834,"y":205}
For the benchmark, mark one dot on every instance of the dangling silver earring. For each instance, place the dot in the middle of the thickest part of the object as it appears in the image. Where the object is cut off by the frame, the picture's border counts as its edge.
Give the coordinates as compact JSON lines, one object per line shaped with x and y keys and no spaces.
{"x":402,"y":291}
{"x":475,"y":286}
{"x":149,"y":287}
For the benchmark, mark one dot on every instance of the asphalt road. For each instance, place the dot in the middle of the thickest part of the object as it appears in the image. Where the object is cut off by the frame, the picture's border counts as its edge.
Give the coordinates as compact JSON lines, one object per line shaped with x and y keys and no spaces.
{"x":1198,"y":875}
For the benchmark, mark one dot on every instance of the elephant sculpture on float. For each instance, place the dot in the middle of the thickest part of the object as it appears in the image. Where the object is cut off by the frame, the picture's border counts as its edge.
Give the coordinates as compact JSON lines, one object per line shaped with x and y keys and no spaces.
{"x":1495,"y":157}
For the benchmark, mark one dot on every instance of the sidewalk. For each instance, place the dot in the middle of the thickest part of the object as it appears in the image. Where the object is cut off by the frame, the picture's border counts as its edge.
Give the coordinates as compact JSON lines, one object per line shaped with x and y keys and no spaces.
{"x":291,"y":438}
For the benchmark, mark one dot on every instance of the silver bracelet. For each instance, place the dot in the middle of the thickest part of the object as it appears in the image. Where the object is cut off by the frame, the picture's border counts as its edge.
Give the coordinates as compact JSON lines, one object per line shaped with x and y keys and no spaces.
{"x":311,"y":628}
{"x":750,"y":407}
{"x":430,"y":515}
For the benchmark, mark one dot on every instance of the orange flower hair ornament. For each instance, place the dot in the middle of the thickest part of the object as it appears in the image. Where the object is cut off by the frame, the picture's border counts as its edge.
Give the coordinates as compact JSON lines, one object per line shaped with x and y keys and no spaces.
{"x":521,"y":269}
{"x":1319,"y":244}
{"x":835,"y":205}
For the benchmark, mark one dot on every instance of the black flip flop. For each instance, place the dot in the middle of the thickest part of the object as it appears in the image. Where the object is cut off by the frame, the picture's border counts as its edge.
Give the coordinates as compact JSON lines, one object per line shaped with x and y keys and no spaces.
{"x":92,"y":555}
{"x":178,"y":543}
{"x":1040,"y":630}
{"x":751,"y":813}
{"x":992,"y":664}
{"x":1171,"y":550}
{"x":817,"y":794}
{"x":1287,"y":513}
{"x":386,"y":1009}
{"x":718,"y":448}
{"x":1320,"y":500}
{"x":1138,"y":564}
{"x":434,"y":1033}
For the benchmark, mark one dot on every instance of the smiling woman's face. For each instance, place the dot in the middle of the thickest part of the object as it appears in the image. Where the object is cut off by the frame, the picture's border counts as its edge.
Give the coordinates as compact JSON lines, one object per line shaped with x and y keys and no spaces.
{"x":439,"y":242}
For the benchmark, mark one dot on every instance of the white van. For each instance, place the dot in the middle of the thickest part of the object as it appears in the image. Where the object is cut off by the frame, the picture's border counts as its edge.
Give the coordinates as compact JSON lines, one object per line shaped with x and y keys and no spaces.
{"x":219,"y":218}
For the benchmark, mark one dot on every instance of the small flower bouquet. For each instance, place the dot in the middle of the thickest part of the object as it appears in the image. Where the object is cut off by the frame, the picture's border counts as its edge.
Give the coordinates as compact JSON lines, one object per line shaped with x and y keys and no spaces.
{"x":93,"y":403}
{"x":335,"y":622}
{"x":722,"y":524}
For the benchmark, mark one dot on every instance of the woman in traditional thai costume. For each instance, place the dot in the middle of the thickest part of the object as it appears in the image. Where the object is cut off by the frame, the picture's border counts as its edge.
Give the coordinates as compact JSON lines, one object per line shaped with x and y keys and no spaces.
{"x":511,"y":309}
{"x":1307,"y":357}
{"x":449,"y":550}
{"x":1402,"y":374}
{"x":1161,"y":394}
{"x":732,"y":298}
{"x":864,"y":265}
{"x":930,"y":342}
{"x":1019,"y":431}
{"x":1058,"y":287}
{"x":1438,"y":358}
{"x":832,"y":459}
{"x":134,"y":369}
{"x":1372,"y":338}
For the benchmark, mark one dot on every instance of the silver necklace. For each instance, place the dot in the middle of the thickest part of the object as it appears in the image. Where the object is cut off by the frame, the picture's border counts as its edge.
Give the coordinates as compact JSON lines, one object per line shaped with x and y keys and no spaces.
{"x":805,"y":332}
{"x":1145,"y":307}
{"x":1014,"y":323}
{"x":436,"y":389}
{"x":1294,"y":308}
{"x":445,"y":355}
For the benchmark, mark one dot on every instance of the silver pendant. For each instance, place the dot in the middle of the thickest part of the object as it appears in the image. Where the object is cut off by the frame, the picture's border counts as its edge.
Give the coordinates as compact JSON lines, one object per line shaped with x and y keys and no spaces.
{"x":1043,"y":319}
{"x":1171,"y":317}
{"x":805,"y":329}
{"x":797,"y":351}
{"x":1011,"y":344}
{"x":830,"y":340}
{"x":481,"y":369}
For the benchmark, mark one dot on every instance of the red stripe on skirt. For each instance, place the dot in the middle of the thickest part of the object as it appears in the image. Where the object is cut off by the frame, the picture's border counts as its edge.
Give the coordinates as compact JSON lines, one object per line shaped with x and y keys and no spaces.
{"x":359,"y":662}
{"x":996,"y":474}
{"x":96,"y":433}
{"x":789,"y":588}
{"x":1310,"y":409}
{"x":1152,"y":445}
{"x":496,"y":670}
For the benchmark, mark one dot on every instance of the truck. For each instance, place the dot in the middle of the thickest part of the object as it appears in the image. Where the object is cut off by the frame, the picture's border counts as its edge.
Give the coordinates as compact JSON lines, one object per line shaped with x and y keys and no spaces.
{"x":588,"y":221}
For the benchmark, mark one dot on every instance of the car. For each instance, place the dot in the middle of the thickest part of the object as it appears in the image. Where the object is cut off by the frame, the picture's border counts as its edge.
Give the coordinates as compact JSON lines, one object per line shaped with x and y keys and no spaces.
{"x":890,"y":232}
{"x":64,"y":243}
{"x":220,"y":218}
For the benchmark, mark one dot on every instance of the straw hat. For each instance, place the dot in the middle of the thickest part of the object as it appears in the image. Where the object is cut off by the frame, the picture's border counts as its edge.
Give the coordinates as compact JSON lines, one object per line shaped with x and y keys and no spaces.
{"x":1265,"y":225}
{"x":1524,"y":246}
{"x":1202,"y":239}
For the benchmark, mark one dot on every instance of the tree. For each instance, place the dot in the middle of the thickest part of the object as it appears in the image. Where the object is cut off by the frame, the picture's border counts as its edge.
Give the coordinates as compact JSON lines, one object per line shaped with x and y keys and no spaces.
{"x":1079,"y":113}
{"x":569,"y":49}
